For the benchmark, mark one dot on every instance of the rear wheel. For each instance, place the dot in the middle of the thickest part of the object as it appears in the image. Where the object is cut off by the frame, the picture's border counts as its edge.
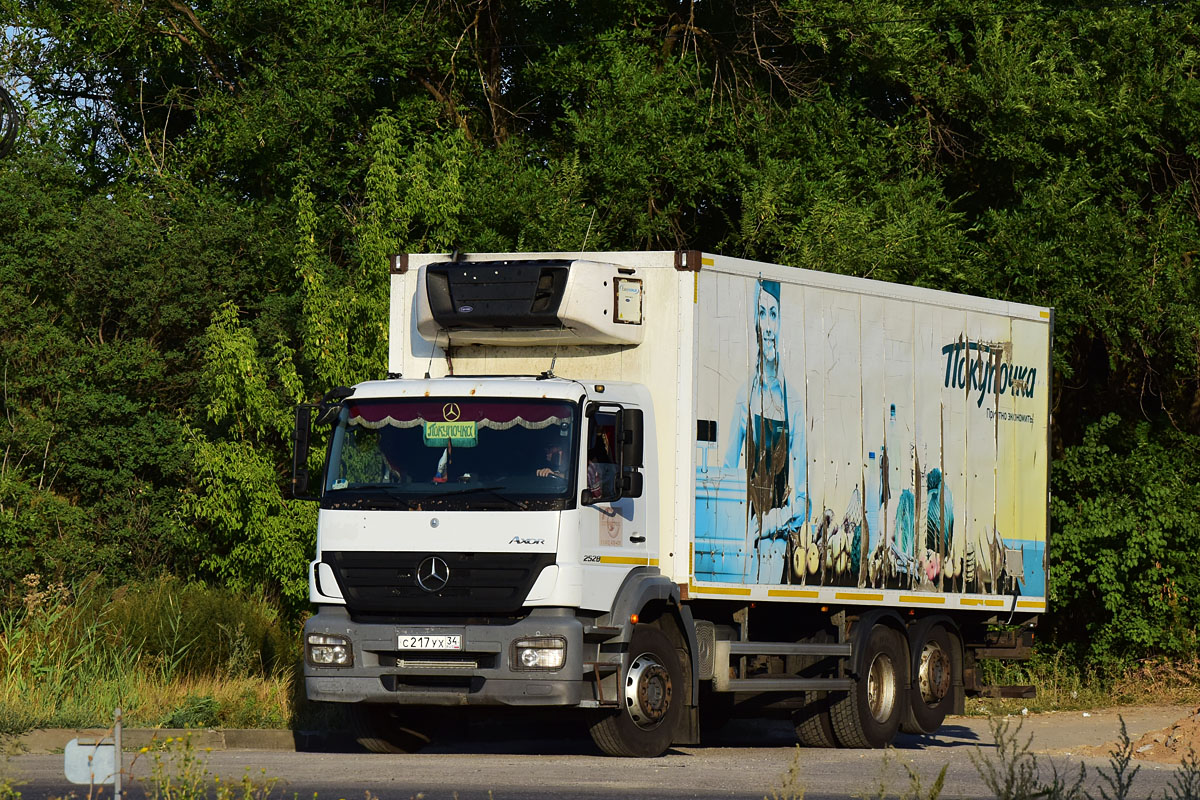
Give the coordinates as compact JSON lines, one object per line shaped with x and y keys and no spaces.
{"x":870,"y":714}
{"x":651,"y":696}
{"x":387,"y":729}
{"x":931,"y":696}
{"x":814,"y":727}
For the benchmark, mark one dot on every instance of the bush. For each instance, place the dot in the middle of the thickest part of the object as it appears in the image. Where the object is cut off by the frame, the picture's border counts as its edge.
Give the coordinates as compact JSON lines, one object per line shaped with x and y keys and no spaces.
{"x":1126,"y":527}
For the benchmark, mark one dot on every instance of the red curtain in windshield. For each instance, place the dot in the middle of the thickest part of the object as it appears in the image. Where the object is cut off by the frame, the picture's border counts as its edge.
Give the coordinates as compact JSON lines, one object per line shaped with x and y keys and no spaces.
{"x":488,"y":414}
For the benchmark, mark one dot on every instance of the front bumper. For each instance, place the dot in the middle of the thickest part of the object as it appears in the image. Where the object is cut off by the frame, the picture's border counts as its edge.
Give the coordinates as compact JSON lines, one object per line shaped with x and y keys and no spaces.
{"x":479,"y":674}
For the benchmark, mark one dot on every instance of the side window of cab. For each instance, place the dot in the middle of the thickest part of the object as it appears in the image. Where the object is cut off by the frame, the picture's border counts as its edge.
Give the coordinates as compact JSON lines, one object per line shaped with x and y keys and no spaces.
{"x":602,"y":483}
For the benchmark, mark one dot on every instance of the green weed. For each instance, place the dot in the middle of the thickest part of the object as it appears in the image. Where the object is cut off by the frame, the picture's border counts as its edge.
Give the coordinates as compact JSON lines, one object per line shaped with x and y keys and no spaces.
{"x":8,"y":788}
{"x":1011,"y":771}
{"x":196,"y":711}
{"x":1185,"y":783}
{"x":915,"y":790}
{"x":790,"y":787}
{"x":179,"y":772}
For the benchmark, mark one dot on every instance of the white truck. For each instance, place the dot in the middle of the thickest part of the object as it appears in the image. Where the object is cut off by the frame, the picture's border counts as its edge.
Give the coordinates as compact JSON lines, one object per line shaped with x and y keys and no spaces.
{"x":656,"y":487}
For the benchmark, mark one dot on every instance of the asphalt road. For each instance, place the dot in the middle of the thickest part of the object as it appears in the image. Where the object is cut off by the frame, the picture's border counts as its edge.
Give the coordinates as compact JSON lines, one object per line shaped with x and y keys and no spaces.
{"x":750,"y":759}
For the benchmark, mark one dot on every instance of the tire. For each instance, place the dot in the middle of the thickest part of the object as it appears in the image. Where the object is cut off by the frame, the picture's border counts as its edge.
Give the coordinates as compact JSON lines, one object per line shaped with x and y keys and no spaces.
{"x":931,"y":696}
{"x":814,"y":727}
{"x":386,"y":729}
{"x":869,"y":715}
{"x":652,"y":698}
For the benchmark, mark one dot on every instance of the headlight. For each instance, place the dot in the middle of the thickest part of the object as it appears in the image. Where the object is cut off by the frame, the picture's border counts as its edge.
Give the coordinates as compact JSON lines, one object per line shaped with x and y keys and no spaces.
{"x":542,"y":652}
{"x":329,"y":651}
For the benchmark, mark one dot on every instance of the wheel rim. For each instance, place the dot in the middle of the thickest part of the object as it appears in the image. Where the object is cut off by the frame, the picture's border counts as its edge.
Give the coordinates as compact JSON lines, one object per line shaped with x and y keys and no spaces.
{"x":881,"y":688}
{"x":933,"y":676}
{"x":648,"y":691}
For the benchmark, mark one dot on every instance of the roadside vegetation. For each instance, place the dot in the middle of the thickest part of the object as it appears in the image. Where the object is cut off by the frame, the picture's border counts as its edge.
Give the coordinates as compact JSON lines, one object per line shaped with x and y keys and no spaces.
{"x":1063,"y":685}
{"x":168,"y":653}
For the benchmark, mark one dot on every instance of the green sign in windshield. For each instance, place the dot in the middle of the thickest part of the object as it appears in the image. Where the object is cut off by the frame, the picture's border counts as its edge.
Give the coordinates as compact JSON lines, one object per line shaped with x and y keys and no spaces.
{"x":455,"y":434}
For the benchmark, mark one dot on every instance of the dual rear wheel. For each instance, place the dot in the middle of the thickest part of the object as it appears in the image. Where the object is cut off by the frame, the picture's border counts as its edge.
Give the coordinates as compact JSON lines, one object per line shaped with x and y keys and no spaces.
{"x":905,"y":683}
{"x":935,"y":655}
{"x":869,"y":715}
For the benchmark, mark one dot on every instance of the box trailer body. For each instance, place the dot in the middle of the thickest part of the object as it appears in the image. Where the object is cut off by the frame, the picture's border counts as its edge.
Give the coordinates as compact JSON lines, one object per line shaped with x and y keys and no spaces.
{"x":805,"y":483}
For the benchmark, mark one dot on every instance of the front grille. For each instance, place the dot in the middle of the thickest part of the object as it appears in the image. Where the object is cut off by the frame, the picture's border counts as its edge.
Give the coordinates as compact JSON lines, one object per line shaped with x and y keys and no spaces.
{"x":478,"y":583}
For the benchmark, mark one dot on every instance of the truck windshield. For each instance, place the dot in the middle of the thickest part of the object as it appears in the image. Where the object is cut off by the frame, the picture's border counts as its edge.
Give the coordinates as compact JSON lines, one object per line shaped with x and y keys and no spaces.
{"x":453,"y":453}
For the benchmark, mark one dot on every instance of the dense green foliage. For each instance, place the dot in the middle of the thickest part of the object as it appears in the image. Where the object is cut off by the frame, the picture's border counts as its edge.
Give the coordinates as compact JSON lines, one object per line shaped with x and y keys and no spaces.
{"x":195,"y":222}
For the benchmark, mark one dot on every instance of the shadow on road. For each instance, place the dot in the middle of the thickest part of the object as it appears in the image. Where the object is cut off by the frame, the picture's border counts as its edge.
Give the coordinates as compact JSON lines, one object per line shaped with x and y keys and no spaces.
{"x":947,"y":736}
{"x":551,"y":736}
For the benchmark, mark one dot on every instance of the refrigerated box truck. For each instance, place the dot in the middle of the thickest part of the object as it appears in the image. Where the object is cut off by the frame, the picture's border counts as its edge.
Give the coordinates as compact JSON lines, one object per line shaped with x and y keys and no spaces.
{"x":656,"y":488}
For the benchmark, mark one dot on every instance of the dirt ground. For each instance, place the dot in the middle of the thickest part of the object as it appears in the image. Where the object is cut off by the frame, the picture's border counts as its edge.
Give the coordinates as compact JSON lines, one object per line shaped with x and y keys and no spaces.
{"x":1161,"y":744}
{"x":1167,"y":745}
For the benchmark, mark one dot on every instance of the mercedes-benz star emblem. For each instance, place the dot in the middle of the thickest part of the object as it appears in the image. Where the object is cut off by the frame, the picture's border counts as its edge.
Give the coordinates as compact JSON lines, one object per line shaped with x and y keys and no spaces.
{"x":433,"y":574}
{"x":451,"y":412}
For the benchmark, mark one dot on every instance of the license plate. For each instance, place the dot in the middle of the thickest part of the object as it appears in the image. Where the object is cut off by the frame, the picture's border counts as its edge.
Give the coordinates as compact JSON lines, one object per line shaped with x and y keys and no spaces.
{"x":425,"y":642}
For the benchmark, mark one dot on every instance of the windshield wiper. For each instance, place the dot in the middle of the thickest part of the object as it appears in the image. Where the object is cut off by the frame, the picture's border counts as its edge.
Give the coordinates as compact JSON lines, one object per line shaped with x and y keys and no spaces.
{"x":490,"y":490}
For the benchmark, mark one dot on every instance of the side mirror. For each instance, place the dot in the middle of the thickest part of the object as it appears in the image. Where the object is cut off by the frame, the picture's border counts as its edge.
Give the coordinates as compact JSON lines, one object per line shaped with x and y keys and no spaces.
{"x":331,"y":404}
{"x":300,"y":438}
{"x":632,"y":435}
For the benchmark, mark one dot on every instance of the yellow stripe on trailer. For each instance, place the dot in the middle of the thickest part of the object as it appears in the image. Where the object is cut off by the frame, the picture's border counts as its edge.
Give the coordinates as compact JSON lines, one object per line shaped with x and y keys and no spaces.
{"x":874,"y":597}
{"x":981,"y":601}
{"x":735,"y":590}
{"x":932,"y":599}
{"x":809,"y":593}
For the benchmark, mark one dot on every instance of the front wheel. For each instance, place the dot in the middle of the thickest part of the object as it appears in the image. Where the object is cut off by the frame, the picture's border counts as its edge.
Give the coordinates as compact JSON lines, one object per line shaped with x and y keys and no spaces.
{"x":651,"y":695}
{"x":387,"y":729}
{"x":870,"y":714}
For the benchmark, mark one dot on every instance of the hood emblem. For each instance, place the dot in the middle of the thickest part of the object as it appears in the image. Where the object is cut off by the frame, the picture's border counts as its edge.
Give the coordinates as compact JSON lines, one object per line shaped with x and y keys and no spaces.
{"x":433,"y":574}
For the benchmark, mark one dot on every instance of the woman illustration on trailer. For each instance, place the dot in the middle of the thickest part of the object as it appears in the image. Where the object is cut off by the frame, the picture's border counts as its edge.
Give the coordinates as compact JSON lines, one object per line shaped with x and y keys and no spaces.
{"x":768,"y":425}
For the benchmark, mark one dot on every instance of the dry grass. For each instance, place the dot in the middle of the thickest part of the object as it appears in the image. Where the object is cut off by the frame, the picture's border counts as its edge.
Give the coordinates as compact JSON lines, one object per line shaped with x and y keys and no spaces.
{"x":1064,"y":687}
{"x":1157,"y":681}
{"x":69,"y":657}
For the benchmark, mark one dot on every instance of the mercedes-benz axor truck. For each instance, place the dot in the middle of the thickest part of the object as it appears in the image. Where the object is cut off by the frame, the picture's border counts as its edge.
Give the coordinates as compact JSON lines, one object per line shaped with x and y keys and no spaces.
{"x":655,"y":489}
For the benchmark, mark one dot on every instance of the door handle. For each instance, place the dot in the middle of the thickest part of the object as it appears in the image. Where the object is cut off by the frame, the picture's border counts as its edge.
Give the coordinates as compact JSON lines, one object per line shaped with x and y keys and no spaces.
{"x":637,"y":539}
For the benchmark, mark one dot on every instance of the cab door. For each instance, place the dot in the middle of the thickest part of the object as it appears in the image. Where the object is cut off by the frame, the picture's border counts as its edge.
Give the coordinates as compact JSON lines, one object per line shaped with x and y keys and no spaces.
{"x":614,"y":522}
